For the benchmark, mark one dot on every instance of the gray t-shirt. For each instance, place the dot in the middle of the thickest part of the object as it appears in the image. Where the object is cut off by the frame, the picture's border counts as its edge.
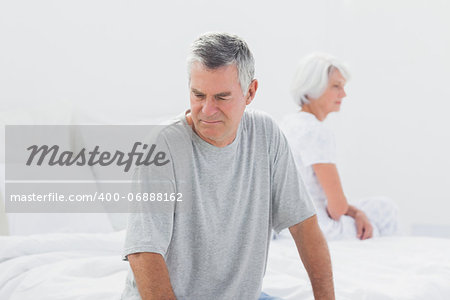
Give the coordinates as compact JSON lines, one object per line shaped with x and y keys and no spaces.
{"x":216,"y":246}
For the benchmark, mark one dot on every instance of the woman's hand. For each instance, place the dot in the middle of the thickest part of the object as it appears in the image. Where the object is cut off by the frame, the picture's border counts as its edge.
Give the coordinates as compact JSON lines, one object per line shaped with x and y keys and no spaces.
{"x":363,"y":227}
{"x":337,"y":205}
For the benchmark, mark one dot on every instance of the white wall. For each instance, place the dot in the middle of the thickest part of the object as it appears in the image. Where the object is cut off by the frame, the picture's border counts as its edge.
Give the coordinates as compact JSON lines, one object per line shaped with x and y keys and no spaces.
{"x":129,"y":57}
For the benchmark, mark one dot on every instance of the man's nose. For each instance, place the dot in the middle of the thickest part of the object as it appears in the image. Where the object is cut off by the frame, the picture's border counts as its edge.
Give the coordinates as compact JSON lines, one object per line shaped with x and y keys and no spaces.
{"x":343,"y":94}
{"x":209,"y":107}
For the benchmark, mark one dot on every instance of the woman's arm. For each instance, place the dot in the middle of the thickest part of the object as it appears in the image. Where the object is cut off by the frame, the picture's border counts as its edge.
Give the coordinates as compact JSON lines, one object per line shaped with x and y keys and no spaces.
{"x":328,"y":177}
{"x":364,"y":229}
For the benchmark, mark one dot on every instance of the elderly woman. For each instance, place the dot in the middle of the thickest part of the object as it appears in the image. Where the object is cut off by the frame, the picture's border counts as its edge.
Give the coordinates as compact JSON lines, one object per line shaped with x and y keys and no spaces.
{"x":318,"y":88}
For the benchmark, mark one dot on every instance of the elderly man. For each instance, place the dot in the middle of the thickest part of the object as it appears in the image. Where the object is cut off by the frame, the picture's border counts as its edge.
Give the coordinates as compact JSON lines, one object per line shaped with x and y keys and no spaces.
{"x":243,"y":184}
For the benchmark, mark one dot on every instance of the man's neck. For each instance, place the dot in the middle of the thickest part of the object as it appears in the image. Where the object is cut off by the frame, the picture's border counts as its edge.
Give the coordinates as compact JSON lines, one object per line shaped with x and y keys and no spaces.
{"x":188,"y":118}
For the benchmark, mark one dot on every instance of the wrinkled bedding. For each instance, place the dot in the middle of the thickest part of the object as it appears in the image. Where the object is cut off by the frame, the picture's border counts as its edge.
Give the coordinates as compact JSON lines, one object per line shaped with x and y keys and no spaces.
{"x":88,"y":266}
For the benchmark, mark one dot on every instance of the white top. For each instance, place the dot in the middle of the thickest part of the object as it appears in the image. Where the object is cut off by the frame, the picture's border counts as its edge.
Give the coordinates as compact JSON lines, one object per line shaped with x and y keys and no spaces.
{"x":311,"y":143}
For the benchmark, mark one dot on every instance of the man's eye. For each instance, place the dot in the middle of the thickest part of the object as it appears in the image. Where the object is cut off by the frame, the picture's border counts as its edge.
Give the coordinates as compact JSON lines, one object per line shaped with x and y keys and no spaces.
{"x":198,"y":95}
{"x":222,"y":98}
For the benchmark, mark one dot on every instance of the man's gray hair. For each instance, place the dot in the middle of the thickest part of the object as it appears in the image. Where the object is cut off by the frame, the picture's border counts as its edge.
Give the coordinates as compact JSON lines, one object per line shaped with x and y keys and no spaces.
{"x":311,"y":77}
{"x":215,"y":50}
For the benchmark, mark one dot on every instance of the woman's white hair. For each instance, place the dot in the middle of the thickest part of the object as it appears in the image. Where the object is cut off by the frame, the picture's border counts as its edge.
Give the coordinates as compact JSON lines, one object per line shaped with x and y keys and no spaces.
{"x":311,"y":77}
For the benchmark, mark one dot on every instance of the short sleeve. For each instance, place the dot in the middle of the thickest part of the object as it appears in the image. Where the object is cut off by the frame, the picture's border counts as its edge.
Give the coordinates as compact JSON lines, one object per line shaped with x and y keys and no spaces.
{"x":310,"y":141}
{"x":150,"y":221}
{"x":317,"y":146}
{"x":291,"y":201}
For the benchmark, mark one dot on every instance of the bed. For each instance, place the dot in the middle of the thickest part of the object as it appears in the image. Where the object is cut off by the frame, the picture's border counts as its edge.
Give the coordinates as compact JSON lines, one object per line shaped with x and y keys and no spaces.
{"x":37,"y":264}
{"x":88,"y":266}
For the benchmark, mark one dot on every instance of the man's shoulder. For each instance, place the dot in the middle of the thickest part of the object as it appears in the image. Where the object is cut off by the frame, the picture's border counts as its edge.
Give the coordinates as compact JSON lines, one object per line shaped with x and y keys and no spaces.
{"x":252,"y":116}
{"x":171,"y":131}
{"x":260,"y":122}
{"x":257,"y":115}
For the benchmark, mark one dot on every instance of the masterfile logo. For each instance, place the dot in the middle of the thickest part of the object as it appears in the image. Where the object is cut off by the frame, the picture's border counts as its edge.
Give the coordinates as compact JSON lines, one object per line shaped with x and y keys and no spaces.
{"x":86,"y":168}
{"x":91,"y":158}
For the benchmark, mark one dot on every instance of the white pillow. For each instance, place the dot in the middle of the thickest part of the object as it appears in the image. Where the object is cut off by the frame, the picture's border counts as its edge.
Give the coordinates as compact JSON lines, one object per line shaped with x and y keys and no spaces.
{"x":51,"y":113}
{"x":85,"y":138}
{"x":37,"y":223}
{"x":3,"y":223}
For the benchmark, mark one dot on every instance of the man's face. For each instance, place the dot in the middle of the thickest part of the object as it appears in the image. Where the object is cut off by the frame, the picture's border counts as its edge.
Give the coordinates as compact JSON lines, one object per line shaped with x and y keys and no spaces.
{"x":217,"y":103}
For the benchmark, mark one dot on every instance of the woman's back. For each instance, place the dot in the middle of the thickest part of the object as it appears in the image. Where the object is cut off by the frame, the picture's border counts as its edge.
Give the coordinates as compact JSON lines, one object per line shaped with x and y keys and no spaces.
{"x":311,"y":143}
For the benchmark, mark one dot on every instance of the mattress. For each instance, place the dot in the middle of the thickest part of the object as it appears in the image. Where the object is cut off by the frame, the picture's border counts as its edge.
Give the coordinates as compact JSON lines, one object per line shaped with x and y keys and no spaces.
{"x":88,"y":266}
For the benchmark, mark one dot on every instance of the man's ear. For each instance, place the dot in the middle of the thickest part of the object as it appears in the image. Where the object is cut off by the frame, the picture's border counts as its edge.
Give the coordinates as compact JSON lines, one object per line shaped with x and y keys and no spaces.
{"x":251,"y":91}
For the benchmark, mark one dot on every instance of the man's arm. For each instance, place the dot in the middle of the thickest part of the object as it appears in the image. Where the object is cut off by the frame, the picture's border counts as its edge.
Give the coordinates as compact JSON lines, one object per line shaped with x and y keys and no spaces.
{"x":151,"y":275}
{"x":313,"y":250}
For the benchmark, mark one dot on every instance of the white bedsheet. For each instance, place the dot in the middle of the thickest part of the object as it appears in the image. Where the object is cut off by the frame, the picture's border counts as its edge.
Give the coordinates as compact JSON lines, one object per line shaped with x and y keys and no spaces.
{"x":375,"y":269}
{"x":88,"y":266}
{"x":62,"y":266}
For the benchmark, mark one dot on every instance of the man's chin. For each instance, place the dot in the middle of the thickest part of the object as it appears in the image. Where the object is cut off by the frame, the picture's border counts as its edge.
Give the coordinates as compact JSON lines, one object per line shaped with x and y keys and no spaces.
{"x":210,"y":137}
{"x":208,"y":134}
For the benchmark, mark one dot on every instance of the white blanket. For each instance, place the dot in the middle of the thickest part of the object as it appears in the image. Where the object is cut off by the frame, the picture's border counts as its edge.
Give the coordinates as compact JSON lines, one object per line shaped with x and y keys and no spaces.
{"x":62,"y":266}
{"x":88,"y":266}
{"x":379,"y":269}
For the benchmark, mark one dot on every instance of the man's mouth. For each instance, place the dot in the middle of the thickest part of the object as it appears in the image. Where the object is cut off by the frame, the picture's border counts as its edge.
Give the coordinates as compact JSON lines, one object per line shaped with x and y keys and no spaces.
{"x":210,"y":122}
